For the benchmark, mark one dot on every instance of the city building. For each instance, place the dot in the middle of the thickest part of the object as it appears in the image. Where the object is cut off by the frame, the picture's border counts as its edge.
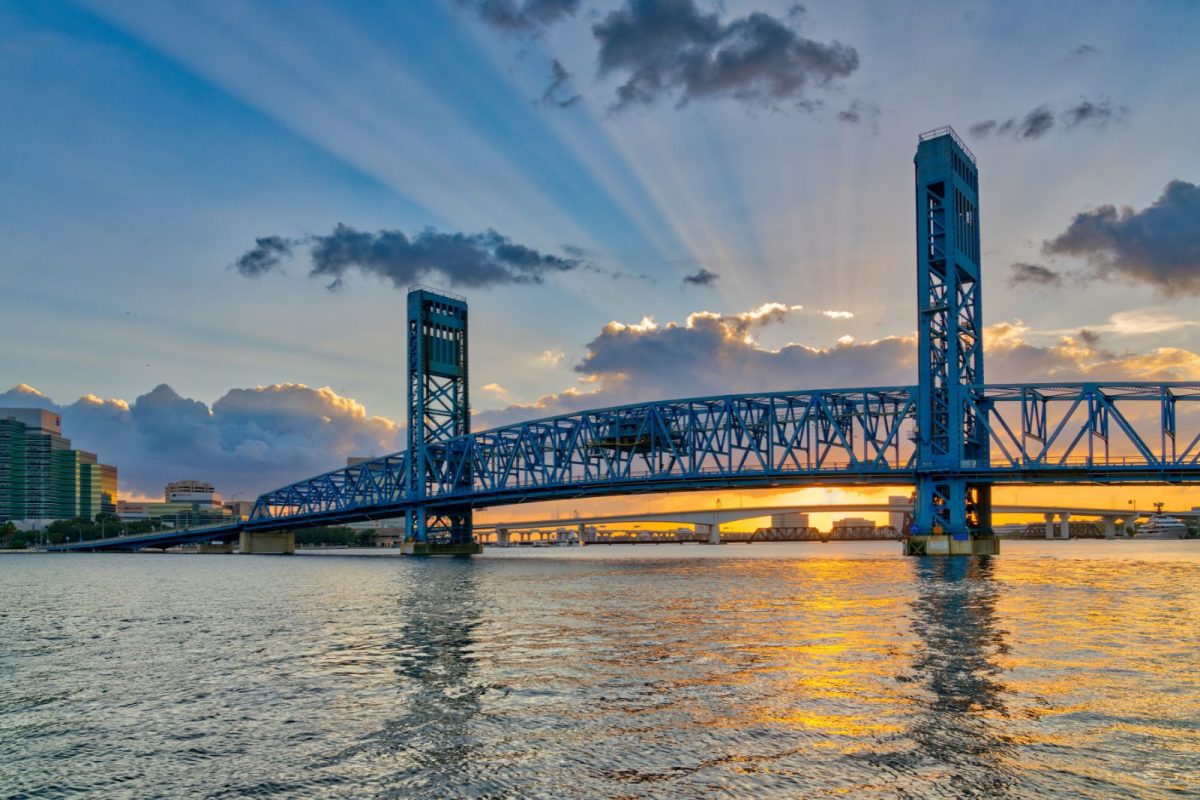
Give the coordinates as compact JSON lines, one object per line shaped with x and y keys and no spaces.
{"x":790,"y":519}
{"x":896,"y":518}
{"x":189,"y":492}
{"x":187,"y":503}
{"x":240,"y":509}
{"x":852,"y":522}
{"x":42,"y":478}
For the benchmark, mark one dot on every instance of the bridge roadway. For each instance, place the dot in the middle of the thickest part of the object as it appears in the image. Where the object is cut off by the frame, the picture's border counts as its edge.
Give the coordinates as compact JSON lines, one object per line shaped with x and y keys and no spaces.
{"x":712,"y":518}
{"x":720,"y":516}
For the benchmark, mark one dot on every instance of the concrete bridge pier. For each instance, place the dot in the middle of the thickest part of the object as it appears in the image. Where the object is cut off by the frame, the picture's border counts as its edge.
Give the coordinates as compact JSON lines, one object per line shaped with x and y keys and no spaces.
{"x":502,"y":535}
{"x":1061,"y":530}
{"x":268,"y":543}
{"x":582,"y":533}
{"x":713,"y":529}
{"x":1110,"y":527}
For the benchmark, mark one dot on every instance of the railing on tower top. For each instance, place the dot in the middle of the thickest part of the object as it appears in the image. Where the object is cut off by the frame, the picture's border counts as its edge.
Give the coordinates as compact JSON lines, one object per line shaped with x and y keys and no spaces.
{"x":946,"y":130}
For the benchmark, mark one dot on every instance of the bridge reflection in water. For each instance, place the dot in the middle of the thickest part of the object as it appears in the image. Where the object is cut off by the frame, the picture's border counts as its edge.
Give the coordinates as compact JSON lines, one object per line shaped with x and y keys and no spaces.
{"x":953,"y":747}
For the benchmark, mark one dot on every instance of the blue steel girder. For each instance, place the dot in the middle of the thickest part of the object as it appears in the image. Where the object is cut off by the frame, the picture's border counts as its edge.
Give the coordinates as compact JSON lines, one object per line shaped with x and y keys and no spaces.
{"x":855,"y":435}
{"x":1081,"y":433}
{"x":1109,"y":429}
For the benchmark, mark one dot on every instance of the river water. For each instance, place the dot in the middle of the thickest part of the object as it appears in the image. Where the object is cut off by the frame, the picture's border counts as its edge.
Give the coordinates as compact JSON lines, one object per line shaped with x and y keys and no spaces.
{"x":1059,"y":669}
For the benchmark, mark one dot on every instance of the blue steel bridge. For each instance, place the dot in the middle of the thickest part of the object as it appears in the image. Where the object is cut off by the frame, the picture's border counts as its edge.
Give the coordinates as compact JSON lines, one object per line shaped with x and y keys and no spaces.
{"x":951,"y":436}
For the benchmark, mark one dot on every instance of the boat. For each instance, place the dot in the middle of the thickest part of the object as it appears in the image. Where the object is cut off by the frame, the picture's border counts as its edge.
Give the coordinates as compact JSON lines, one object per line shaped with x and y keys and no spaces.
{"x":1161,"y":526}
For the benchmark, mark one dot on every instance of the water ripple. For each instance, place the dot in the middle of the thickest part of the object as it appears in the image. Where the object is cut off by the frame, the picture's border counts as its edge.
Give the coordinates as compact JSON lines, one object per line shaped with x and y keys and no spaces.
{"x":869,"y":676}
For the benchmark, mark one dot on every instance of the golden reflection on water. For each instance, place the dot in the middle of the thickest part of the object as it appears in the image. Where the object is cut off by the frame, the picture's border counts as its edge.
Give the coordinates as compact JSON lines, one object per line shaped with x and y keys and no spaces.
{"x":873,"y":677}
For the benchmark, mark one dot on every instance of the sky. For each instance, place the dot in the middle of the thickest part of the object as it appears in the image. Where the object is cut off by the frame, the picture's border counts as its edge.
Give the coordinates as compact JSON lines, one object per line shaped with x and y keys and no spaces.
{"x":213,"y":210}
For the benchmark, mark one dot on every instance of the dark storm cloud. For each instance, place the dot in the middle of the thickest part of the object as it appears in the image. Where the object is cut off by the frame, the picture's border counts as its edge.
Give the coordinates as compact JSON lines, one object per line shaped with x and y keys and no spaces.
{"x":558,"y":93}
{"x":1023,"y":274}
{"x":702,"y":278}
{"x":478,"y":260}
{"x":515,"y":16}
{"x":1158,"y":246}
{"x":1041,"y":120}
{"x":668,"y":47}
{"x":267,"y":254}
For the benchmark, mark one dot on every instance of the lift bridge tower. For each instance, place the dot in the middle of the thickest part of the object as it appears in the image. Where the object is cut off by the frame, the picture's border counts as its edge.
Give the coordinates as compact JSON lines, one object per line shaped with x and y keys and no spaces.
{"x":951,"y":512}
{"x":439,"y":410}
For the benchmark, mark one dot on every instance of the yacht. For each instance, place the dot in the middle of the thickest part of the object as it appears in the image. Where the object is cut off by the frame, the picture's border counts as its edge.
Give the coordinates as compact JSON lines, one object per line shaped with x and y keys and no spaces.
{"x":1160,"y":526}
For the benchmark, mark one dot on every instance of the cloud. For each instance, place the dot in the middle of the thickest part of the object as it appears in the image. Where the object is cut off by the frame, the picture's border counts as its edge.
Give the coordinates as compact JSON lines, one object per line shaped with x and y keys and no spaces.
{"x":1041,"y":120}
{"x":714,"y":354}
{"x":703,"y":277}
{"x":552,"y":357}
{"x":249,"y":441}
{"x":268,"y":254}
{"x":859,"y":111}
{"x":669,"y":48}
{"x":710,"y":354}
{"x":1023,"y":274}
{"x":1096,"y":114}
{"x":838,"y":314}
{"x":1158,"y":246}
{"x":558,"y":93}
{"x":1079,"y":53}
{"x":515,"y":16}
{"x":1077,"y":357}
{"x":1034,"y":125}
{"x":479,"y":260}
{"x":495,"y":388}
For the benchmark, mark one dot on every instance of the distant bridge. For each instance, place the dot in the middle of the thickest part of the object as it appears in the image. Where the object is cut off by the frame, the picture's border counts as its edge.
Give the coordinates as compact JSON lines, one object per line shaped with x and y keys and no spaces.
{"x":707,"y":520}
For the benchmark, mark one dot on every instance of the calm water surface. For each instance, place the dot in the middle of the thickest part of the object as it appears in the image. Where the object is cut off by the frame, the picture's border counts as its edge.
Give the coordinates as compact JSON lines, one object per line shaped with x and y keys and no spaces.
{"x":790,"y":670}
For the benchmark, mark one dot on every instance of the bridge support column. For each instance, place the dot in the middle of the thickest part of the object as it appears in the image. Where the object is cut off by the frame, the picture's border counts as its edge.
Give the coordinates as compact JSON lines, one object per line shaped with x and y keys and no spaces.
{"x":439,"y":415}
{"x":1064,"y":525}
{"x":502,"y":535}
{"x":582,"y":533}
{"x":1110,"y":527}
{"x":1049,"y":525}
{"x":953,"y":511}
{"x":712,"y":529}
{"x":270,"y":543}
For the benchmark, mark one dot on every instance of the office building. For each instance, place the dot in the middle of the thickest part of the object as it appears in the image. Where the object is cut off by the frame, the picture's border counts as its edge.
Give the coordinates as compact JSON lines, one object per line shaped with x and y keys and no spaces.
{"x":896,"y":518}
{"x":790,"y":519}
{"x":186,"y":503}
{"x":42,"y":477}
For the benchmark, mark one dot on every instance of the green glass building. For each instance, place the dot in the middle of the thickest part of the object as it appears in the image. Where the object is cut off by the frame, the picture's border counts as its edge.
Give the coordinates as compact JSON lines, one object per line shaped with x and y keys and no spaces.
{"x":42,"y":477}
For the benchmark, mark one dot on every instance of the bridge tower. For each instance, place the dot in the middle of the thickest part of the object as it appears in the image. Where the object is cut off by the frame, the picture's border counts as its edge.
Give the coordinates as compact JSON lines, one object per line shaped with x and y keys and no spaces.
{"x":438,"y":410}
{"x":952,"y":514}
